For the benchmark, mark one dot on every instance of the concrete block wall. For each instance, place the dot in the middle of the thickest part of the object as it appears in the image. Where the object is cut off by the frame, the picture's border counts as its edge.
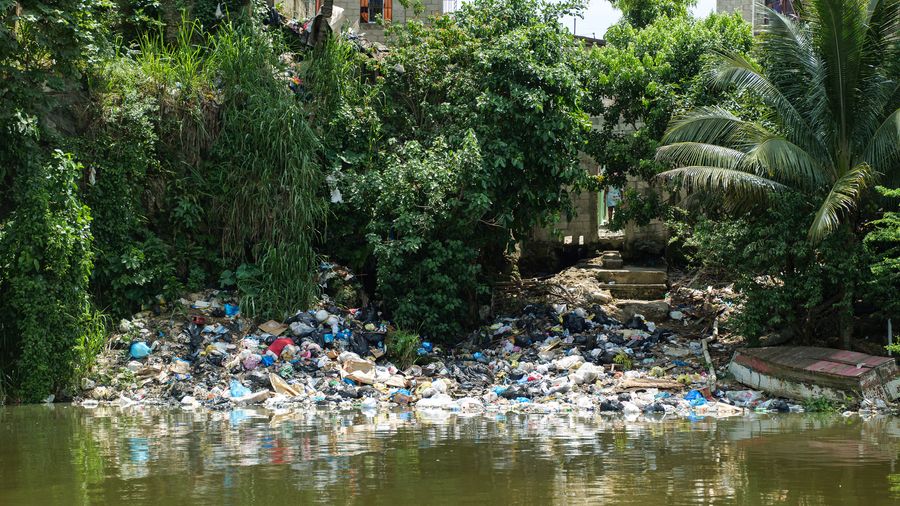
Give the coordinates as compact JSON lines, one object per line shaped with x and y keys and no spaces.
{"x":583,"y":228}
{"x":649,"y":239}
{"x":747,"y":10}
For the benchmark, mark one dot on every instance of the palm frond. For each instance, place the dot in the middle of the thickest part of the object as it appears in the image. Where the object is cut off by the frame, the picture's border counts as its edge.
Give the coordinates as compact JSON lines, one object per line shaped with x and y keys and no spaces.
{"x":698,"y":153}
{"x":841,"y":30}
{"x":794,"y":67}
{"x":729,"y":182}
{"x":708,"y":125}
{"x":787,"y":162}
{"x":736,"y":70}
{"x":840,"y":200}
{"x":883,"y":150}
{"x":880,"y":71}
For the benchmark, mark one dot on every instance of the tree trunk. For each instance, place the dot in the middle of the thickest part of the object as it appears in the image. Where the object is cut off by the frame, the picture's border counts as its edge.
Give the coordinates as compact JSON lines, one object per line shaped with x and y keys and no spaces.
{"x":846,"y":328}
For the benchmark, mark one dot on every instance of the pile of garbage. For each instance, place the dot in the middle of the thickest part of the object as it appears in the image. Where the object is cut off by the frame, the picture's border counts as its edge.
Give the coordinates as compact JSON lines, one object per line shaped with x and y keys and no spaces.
{"x":548,"y":358}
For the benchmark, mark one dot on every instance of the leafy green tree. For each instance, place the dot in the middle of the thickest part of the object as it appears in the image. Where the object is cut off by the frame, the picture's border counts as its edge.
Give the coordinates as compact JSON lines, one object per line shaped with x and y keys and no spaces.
{"x":882,"y":243}
{"x":640,"y":13}
{"x":830,"y":84}
{"x":638,"y":80}
{"x":462,"y":140}
{"x":508,"y":71}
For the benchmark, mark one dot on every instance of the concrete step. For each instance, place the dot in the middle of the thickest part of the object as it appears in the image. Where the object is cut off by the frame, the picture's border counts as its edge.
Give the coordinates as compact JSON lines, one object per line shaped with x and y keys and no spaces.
{"x":636,"y":291}
{"x":633,"y":275}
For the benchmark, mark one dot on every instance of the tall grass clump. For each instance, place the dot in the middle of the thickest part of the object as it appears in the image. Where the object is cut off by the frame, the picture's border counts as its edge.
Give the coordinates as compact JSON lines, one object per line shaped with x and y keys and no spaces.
{"x":268,"y":177}
{"x":243,"y":162}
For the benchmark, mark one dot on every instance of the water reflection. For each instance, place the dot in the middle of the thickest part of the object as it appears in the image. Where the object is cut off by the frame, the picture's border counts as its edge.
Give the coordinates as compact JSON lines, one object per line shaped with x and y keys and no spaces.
{"x":145,"y":455}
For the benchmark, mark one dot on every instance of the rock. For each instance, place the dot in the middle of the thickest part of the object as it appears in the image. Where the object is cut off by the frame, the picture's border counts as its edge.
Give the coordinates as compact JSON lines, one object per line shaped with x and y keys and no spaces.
{"x":102,"y":393}
{"x":88,"y":384}
{"x":653,"y":310}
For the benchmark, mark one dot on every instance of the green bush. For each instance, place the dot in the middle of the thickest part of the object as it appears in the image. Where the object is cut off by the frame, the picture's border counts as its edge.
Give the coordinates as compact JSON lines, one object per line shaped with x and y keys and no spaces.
{"x":132,"y":263}
{"x":882,"y":244}
{"x":204,"y":160}
{"x":402,"y":347}
{"x":454,"y":147}
{"x":423,"y":219}
{"x":787,"y":284}
{"x":45,"y":266}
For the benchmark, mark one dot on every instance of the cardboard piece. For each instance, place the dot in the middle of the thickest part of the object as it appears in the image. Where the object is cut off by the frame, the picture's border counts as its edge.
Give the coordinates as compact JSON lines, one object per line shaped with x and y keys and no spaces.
{"x":273,"y":327}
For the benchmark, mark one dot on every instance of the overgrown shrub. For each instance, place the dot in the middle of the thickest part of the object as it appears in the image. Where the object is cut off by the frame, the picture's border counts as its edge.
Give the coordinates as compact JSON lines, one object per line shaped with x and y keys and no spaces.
{"x":882,"y":244}
{"x":788,"y":285}
{"x":424,"y":213}
{"x":45,"y":266}
{"x":215,"y":165}
{"x":132,"y":263}
{"x":455,"y":146}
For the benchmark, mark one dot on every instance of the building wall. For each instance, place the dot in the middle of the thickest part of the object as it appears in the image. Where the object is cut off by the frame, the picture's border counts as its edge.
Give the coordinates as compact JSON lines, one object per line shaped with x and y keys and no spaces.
{"x":374,"y":32}
{"x":748,"y":9}
{"x":583,"y":228}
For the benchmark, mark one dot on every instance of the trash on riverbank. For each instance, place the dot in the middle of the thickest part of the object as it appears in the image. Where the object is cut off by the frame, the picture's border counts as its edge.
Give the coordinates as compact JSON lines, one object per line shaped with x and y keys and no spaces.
{"x":545,"y":358}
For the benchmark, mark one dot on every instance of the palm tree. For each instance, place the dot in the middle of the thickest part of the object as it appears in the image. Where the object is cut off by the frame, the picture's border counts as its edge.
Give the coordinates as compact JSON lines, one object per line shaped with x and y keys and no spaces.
{"x":831,"y":86}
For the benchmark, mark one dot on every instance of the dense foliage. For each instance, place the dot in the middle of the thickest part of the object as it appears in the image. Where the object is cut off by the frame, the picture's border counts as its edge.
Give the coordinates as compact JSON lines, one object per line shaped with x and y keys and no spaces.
{"x":833,"y":125}
{"x":190,"y":151}
{"x":471,"y":138}
{"x":646,"y":72}
{"x":45,"y":264}
{"x":788,"y":286}
{"x":882,"y":244}
{"x":640,"y":13}
{"x":829,"y":85}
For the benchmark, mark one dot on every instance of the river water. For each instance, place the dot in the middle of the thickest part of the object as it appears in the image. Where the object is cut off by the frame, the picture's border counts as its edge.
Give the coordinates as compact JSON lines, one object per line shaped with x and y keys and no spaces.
{"x":69,"y":455}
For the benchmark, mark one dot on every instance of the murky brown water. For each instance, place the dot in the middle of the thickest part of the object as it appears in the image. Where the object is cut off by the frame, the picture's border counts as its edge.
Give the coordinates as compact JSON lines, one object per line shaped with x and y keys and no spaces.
{"x":68,"y":455}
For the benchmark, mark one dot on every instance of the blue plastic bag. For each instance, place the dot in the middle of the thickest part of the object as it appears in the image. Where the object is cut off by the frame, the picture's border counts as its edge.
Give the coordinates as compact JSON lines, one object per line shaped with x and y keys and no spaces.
{"x":238,"y":390}
{"x":139,"y":349}
{"x":695,"y":398}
